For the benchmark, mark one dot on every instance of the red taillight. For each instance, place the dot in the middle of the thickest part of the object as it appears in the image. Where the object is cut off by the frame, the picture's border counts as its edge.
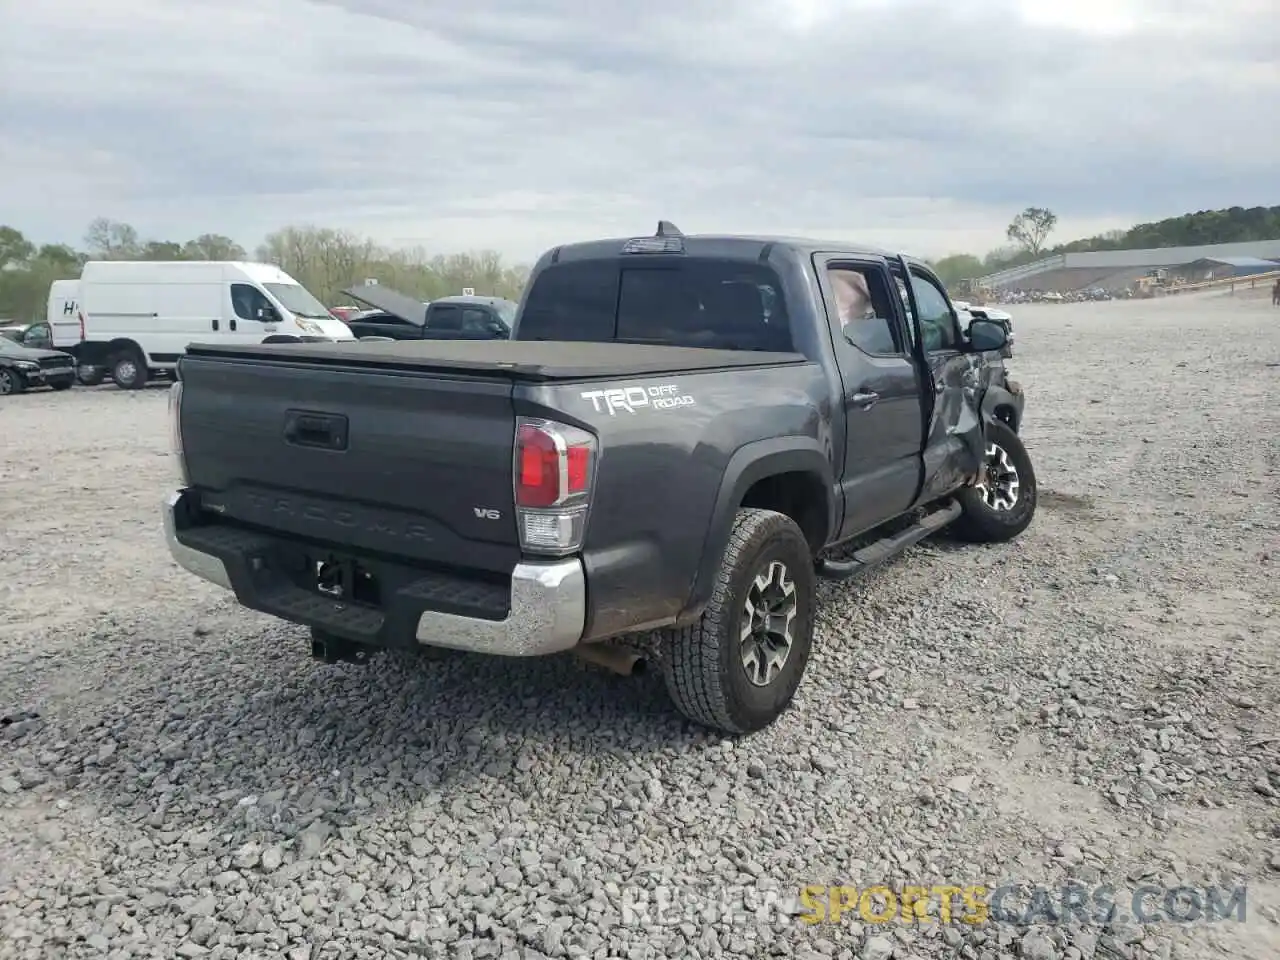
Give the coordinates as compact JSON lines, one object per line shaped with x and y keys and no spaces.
{"x":538,"y":482}
{"x":578,"y":468}
{"x":554,"y":468}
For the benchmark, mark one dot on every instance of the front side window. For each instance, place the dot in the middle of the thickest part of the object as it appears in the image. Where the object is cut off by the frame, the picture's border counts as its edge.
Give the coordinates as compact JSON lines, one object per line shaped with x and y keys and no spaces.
{"x":865,"y":309}
{"x":38,"y":335}
{"x":476,"y":321}
{"x":248,"y":300}
{"x":937,"y":323}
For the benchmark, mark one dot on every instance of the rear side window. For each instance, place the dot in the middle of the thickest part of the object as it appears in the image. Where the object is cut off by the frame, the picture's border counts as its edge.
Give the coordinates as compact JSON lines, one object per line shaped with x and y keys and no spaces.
{"x":445,"y":318}
{"x":721,"y":304}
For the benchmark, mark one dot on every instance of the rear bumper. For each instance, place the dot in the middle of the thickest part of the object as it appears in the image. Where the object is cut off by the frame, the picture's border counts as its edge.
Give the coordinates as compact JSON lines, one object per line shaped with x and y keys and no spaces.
{"x":543,"y":609}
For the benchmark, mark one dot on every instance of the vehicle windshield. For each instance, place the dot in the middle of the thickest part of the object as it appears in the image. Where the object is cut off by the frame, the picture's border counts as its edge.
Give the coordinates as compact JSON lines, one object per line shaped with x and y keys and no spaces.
{"x":694,"y":302}
{"x":295,"y":298}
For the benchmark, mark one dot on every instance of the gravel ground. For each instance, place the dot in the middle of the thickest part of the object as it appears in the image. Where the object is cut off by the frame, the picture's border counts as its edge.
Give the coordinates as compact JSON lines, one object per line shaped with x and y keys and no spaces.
{"x":1097,"y":701}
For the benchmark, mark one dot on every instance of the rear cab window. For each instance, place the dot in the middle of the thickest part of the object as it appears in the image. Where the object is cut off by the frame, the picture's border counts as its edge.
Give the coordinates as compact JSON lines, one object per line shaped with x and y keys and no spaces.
{"x":684,"y":302}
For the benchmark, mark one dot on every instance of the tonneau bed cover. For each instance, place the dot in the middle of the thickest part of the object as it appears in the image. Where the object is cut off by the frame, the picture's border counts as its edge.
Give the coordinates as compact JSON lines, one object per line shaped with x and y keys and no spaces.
{"x":528,"y":360}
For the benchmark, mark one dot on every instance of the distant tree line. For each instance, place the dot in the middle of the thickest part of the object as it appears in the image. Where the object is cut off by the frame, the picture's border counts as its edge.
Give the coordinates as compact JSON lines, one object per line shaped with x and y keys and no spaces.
{"x":1030,"y":229}
{"x":327,"y":260}
{"x":322,"y":259}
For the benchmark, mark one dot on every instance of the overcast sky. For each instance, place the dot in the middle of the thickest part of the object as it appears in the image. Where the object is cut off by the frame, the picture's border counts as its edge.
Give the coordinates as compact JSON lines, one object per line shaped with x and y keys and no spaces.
{"x":518,"y":124}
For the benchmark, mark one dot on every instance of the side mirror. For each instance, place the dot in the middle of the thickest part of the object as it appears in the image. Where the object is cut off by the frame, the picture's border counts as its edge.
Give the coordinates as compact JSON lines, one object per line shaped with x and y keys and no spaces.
{"x":267,"y":314}
{"x":987,"y":335}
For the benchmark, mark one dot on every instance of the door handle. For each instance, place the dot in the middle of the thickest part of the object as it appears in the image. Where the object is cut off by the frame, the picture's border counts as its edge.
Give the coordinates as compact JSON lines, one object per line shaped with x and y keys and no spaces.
{"x":866,"y":400}
{"x":325,"y":431}
{"x":215,"y":323}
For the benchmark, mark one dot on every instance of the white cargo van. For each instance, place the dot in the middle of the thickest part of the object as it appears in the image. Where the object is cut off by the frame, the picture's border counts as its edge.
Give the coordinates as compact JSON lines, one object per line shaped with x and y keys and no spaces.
{"x":136,"y":318}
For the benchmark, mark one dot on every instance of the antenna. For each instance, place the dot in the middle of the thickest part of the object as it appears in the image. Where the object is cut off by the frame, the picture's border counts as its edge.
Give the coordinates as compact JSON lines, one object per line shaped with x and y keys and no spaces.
{"x":668,"y":229}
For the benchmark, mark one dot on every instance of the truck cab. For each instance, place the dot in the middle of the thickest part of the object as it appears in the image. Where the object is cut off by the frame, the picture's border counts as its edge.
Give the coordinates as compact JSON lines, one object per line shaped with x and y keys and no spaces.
{"x":396,"y":316}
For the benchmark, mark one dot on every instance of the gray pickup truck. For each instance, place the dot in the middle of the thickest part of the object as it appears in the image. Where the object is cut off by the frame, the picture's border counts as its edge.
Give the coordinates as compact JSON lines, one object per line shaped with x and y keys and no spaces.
{"x":682,"y":435}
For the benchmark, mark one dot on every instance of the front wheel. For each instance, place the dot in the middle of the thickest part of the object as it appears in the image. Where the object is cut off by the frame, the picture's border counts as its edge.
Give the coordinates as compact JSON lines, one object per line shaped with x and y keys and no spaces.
{"x":11,"y":382}
{"x":738,"y":668}
{"x":1003,"y":501}
{"x":62,"y":384}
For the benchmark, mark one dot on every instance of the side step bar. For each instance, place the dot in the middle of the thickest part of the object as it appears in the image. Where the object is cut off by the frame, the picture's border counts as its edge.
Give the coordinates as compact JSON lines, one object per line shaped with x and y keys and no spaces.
{"x":878,"y":552}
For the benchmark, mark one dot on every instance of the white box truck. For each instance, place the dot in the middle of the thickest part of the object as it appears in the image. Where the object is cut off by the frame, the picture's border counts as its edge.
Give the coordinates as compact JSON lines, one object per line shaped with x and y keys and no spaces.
{"x":134,"y":319}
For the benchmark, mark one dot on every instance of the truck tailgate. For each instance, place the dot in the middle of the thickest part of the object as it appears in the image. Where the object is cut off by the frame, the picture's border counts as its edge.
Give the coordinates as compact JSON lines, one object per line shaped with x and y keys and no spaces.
{"x":412,"y":465}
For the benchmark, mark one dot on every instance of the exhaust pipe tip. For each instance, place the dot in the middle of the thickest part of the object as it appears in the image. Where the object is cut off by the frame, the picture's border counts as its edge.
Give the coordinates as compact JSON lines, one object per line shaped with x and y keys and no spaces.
{"x":624,"y":663}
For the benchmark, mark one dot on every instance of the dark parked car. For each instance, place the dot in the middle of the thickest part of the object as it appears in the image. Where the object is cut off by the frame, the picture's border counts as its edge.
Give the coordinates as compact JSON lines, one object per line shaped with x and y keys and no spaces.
{"x":22,"y":367}
{"x":399,"y":317}
{"x":711,"y":426}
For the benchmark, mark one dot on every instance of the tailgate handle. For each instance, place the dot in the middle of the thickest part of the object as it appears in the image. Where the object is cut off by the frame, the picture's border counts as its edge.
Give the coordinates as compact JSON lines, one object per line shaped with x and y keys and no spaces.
{"x":324,"y":430}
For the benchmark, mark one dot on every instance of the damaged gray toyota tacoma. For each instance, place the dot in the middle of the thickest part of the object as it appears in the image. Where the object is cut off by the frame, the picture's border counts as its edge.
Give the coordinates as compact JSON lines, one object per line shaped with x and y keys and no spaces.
{"x":682,"y":435}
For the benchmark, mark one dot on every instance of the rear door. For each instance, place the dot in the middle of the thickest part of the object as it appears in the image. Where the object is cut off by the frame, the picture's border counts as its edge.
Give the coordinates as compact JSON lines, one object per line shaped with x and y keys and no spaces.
{"x":881,"y":387}
{"x":953,"y":442}
{"x":444,"y":322}
{"x":64,"y":312}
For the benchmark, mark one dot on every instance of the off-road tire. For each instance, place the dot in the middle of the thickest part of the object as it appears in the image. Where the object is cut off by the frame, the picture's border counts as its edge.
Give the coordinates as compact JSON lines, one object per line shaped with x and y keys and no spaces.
{"x":118,"y":370}
{"x":702,"y":663}
{"x":11,"y":382}
{"x":979,"y":522}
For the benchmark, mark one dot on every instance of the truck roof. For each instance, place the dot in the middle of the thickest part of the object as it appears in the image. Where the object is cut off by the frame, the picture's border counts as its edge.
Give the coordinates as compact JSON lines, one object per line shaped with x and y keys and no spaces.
{"x":727,"y":246}
{"x":536,"y":360}
{"x":141,"y":271}
{"x":463,"y":298}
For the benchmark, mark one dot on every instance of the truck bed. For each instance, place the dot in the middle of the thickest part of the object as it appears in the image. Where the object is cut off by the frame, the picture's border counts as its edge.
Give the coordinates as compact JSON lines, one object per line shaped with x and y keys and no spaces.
{"x":515,"y":360}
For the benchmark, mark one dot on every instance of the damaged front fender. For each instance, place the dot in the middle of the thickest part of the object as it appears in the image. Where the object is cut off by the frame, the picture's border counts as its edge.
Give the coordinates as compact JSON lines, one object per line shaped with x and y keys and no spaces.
{"x":1004,"y":403}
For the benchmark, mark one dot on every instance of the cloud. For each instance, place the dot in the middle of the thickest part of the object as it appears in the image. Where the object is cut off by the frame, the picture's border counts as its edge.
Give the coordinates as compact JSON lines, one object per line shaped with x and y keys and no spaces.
{"x":517,"y":125}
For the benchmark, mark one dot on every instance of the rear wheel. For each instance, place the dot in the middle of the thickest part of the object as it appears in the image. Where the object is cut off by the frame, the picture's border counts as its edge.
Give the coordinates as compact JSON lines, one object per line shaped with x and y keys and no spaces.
{"x":738,"y":668}
{"x":1003,"y":502}
{"x":11,"y":382}
{"x":90,"y":376}
{"x":62,"y":384}
{"x":129,"y":370}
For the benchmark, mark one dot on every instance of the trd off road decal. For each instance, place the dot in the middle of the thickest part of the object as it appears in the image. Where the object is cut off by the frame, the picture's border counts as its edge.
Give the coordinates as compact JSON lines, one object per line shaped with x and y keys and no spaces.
{"x":664,"y":396}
